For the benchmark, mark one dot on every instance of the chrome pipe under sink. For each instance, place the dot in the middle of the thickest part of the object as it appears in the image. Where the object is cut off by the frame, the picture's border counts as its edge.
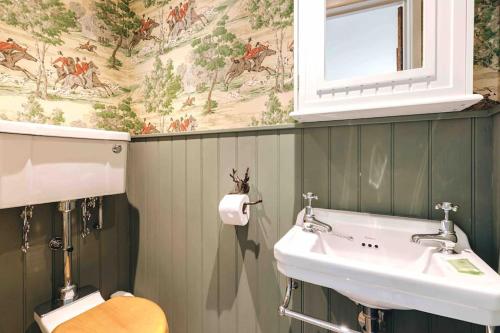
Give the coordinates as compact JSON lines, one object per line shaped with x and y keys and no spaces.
{"x":371,"y":320}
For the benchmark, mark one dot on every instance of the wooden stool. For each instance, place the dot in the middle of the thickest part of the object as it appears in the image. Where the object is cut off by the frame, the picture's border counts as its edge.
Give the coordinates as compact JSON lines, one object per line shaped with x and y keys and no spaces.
{"x":118,"y":315}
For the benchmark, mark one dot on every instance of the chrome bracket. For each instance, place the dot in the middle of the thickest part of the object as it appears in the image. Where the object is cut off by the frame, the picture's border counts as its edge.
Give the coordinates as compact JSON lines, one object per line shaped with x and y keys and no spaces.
{"x":117,"y":149}
{"x":56,"y":244}
{"x":291,"y":285}
{"x":371,"y":320}
{"x":99,"y":224}
{"x":26,"y":215}
{"x":246,"y":204}
{"x":87,"y":205}
{"x":284,"y":311}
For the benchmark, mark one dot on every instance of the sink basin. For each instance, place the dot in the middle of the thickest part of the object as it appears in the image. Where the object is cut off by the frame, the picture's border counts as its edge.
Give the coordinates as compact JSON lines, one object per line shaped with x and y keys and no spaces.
{"x":371,"y":260}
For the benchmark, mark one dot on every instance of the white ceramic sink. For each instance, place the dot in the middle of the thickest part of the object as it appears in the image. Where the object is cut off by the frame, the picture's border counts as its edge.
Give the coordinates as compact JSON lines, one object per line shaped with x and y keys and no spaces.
{"x":390,"y":271}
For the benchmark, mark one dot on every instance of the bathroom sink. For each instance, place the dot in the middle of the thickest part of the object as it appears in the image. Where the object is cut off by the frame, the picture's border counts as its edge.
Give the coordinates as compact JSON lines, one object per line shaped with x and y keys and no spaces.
{"x":371,"y":260}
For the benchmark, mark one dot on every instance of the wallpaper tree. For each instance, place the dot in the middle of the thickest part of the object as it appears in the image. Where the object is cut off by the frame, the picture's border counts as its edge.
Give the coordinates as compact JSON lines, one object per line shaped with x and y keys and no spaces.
{"x":46,"y":21}
{"x":161,"y":88}
{"x":121,"y":21}
{"x":487,"y":33}
{"x":118,"y":118}
{"x":57,"y":117}
{"x":277,"y":15}
{"x":275,"y":113}
{"x":33,"y":112}
{"x":211,"y":52}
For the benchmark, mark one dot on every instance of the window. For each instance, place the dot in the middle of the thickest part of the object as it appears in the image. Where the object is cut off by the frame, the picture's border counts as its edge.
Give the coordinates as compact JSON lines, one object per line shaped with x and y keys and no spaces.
{"x":361,"y":43}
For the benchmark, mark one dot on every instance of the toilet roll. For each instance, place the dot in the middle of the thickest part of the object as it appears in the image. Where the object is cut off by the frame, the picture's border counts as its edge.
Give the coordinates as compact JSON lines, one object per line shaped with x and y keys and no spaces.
{"x":231,"y":209}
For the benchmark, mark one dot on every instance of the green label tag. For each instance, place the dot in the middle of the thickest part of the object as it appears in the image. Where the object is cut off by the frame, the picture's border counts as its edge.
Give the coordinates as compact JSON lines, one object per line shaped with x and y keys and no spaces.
{"x":465,"y":266}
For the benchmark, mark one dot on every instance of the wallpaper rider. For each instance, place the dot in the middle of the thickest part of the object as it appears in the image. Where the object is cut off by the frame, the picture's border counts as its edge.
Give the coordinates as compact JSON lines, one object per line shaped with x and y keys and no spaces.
{"x":149,"y":66}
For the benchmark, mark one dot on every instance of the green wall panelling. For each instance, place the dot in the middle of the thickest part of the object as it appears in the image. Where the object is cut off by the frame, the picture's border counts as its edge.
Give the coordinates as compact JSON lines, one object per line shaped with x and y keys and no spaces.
{"x":38,"y":262}
{"x":12,"y":280}
{"x":210,"y":233}
{"x":411,"y":169}
{"x":399,"y":166}
{"x":179,"y":314}
{"x":496,"y":188}
{"x":164,"y":245}
{"x":316,"y":175}
{"x":247,"y":239}
{"x":101,"y":260}
{"x":267,"y":224}
{"x":227,"y":241}
{"x":344,"y":195}
{"x":289,"y":204}
{"x":194,"y":235}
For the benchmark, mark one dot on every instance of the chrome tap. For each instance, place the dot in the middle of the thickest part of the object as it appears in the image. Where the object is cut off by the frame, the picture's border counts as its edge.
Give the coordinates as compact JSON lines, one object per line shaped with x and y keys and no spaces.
{"x":446,"y":235}
{"x":311,"y":224}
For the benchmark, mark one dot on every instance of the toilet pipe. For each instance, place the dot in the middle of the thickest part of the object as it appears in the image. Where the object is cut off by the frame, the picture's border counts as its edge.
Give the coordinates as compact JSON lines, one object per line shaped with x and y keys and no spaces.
{"x":68,"y":291}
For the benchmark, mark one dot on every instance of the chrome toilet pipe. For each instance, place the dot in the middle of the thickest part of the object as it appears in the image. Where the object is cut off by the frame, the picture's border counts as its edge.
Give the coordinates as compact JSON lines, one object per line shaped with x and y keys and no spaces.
{"x":100,"y":220}
{"x":67,"y":293}
{"x":490,"y":329}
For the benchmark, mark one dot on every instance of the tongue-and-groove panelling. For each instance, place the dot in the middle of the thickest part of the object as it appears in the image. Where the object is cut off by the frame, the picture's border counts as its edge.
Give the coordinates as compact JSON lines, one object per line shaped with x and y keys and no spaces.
{"x":496,"y":181}
{"x":213,"y":278}
{"x":27,"y":280}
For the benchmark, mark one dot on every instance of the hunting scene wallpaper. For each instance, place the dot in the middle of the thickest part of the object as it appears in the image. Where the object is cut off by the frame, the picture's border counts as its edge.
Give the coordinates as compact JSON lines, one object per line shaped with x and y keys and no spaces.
{"x":155,"y":66}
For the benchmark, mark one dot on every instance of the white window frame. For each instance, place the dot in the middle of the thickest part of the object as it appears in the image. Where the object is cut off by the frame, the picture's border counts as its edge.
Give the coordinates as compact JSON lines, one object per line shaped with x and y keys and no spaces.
{"x":443,"y":83}
{"x":359,"y":7}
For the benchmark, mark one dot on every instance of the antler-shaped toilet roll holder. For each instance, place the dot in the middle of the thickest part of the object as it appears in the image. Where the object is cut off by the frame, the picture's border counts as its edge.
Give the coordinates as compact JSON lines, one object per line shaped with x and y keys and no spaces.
{"x":242,"y":187}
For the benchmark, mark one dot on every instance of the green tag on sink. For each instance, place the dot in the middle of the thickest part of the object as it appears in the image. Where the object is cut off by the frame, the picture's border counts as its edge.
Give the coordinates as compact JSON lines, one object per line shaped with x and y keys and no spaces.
{"x":465,"y":266}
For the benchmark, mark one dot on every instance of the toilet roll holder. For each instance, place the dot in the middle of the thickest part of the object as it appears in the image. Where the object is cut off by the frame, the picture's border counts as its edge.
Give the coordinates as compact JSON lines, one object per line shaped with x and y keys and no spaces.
{"x":242,"y":187}
{"x":251,"y":203}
